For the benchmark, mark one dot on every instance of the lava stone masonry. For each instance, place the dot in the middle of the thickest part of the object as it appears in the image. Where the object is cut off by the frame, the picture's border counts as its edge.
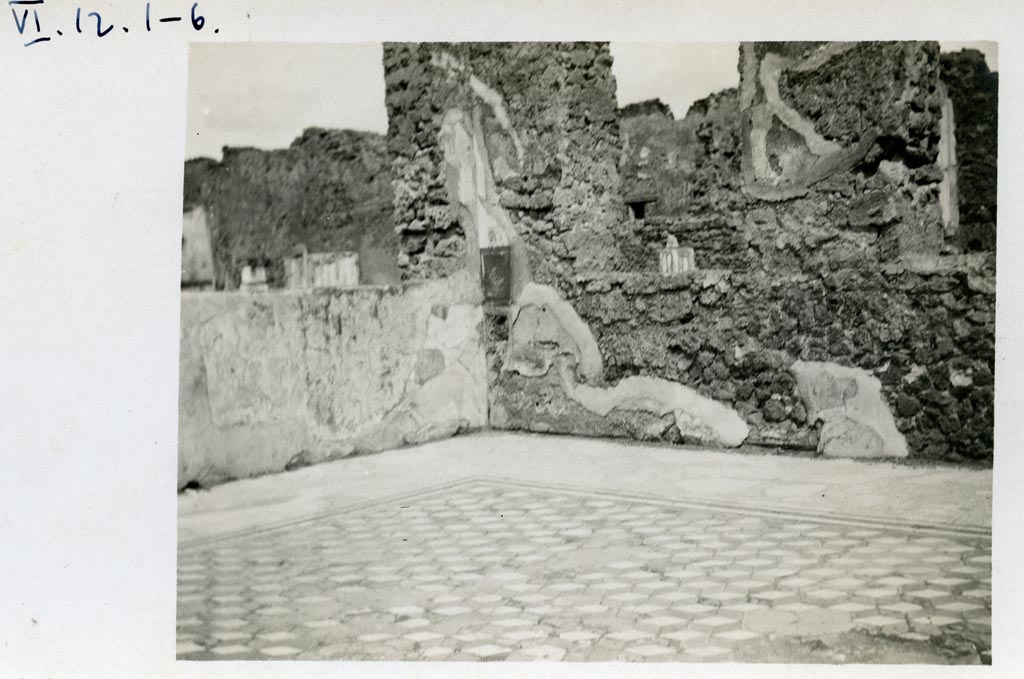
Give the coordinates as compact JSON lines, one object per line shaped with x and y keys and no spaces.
{"x":554,"y":150}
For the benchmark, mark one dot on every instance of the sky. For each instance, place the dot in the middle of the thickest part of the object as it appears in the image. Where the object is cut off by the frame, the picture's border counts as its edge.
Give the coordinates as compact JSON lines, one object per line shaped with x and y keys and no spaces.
{"x":265,"y":94}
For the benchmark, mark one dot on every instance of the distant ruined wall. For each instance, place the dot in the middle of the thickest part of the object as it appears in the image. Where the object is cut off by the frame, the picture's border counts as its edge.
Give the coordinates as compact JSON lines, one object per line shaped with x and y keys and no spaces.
{"x":330,"y":190}
{"x":287,"y":378}
{"x":535,"y":123}
{"x":686,"y":163}
{"x":692,"y":166}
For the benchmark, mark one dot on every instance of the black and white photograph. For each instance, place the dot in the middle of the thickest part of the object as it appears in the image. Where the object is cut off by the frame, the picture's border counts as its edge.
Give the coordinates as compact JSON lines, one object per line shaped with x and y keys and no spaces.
{"x":588,"y":351}
{"x":476,"y":339}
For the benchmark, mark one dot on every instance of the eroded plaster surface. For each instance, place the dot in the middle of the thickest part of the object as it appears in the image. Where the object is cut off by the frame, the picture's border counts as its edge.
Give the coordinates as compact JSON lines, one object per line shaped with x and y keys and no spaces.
{"x":297,"y":377}
{"x":547,"y":332}
{"x":856,"y":420}
{"x":696,"y":416}
{"x":544,"y":326}
{"x":472,"y":192}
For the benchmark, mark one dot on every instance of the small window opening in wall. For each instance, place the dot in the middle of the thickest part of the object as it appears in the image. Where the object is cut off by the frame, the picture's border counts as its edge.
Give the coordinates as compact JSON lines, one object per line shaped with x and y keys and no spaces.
{"x":639,"y":203}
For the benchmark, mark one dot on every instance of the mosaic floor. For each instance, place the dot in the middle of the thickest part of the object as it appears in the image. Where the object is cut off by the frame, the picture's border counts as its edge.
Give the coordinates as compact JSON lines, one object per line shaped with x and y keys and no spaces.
{"x":490,"y":570}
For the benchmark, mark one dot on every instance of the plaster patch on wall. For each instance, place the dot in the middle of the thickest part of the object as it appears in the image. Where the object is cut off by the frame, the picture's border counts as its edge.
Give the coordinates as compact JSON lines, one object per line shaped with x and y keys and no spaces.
{"x":472,"y":191}
{"x":800,"y":163}
{"x":497,"y":103}
{"x":947,"y":162}
{"x":856,"y":420}
{"x":696,"y":416}
{"x":544,"y":326}
{"x":485,"y":92}
{"x":196,"y":249}
{"x":451,"y":399}
{"x":252,"y":369}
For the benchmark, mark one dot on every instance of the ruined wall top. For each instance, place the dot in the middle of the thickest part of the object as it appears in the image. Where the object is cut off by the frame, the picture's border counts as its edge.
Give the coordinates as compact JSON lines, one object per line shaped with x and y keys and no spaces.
{"x":329,"y":191}
{"x":548,"y":132}
{"x":813,"y":113}
{"x":974,"y":92}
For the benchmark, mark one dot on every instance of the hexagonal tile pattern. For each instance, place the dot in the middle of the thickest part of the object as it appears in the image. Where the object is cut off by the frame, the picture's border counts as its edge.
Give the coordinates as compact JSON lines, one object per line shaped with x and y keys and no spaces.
{"x":498,"y":571}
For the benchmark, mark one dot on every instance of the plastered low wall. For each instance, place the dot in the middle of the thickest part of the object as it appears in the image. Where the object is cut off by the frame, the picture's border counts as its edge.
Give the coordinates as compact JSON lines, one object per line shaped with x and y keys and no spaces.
{"x":297,"y":377}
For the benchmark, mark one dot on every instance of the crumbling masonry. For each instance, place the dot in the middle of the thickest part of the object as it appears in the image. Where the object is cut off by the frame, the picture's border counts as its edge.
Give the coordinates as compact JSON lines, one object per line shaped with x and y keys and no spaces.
{"x":329,"y":191}
{"x":837,"y":307}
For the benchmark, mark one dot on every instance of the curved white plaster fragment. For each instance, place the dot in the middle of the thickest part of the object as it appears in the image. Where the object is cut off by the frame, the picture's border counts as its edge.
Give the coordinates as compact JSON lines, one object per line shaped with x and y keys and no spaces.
{"x":695,"y":415}
{"x":485,"y":92}
{"x":493,"y":98}
{"x":546,"y":330}
{"x":551,"y":309}
{"x":857,"y":422}
{"x":771,"y":68}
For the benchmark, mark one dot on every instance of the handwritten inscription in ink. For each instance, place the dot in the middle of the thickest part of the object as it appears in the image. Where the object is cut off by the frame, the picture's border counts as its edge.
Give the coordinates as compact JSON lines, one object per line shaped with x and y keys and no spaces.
{"x":36,"y":25}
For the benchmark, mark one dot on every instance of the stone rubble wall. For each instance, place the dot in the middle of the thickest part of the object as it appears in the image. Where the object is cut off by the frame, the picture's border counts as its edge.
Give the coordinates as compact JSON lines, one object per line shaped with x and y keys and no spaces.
{"x":927,"y":335}
{"x":287,"y":378}
{"x":822,"y":317}
{"x":548,"y":118}
{"x":329,"y":191}
{"x":974,"y":91}
{"x":813,"y":251}
{"x":522,"y":140}
{"x":831,"y":247}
